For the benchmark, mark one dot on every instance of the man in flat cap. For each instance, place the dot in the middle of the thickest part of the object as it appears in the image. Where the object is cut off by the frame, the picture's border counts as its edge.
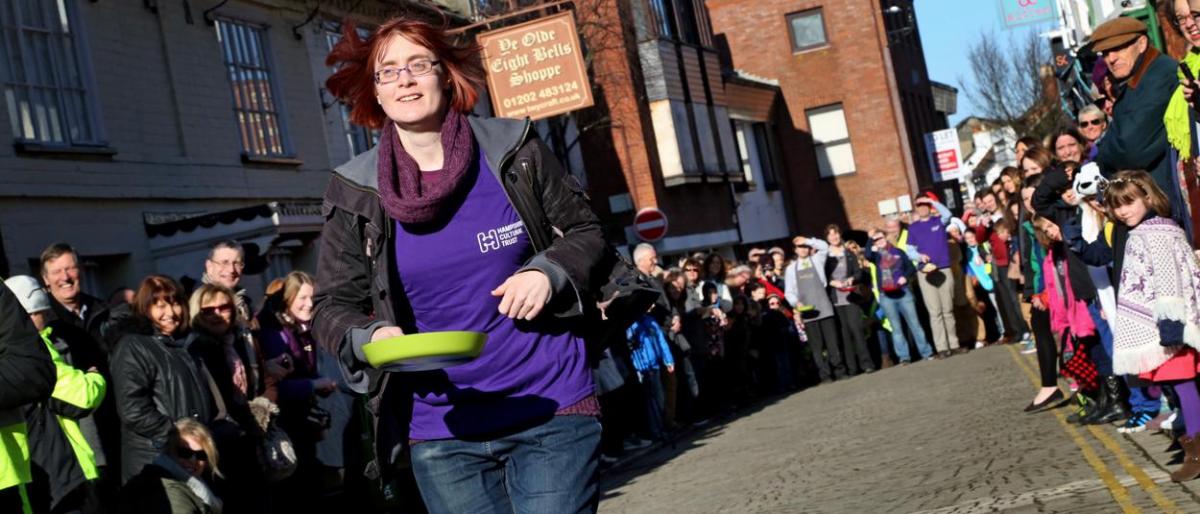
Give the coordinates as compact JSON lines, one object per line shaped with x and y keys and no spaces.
{"x":1143,"y":82}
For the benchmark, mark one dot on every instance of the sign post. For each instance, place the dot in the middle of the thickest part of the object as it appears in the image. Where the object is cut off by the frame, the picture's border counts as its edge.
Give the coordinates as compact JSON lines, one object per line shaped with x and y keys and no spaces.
{"x":944,"y":154}
{"x":536,"y":69}
{"x":650,"y":224}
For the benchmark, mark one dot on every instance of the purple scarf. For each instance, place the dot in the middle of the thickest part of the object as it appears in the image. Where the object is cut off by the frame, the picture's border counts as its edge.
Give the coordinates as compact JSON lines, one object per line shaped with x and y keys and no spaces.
{"x":406,"y":195}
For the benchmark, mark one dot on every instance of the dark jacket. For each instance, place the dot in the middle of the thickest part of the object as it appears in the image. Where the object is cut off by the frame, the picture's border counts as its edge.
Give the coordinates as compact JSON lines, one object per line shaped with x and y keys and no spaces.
{"x":861,"y":295}
{"x":907,"y":270}
{"x":165,"y":488}
{"x":357,"y":285}
{"x":1137,"y":138}
{"x":1047,"y":202}
{"x":156,"y":382}
{"x":208,"y":351}
{"x":26,"y":373}
{"x":95,"y":314}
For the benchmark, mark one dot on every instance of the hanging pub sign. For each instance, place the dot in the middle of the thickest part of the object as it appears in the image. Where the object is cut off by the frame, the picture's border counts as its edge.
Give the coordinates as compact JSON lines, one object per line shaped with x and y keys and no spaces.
{"x":536,"y":69}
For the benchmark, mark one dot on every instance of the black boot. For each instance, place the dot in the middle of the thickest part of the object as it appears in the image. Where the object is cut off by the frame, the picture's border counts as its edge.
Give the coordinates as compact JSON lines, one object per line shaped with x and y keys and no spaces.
{"x":1085,"y":407}
{"x":1115,"y":409}
{"x":1099,"y":408}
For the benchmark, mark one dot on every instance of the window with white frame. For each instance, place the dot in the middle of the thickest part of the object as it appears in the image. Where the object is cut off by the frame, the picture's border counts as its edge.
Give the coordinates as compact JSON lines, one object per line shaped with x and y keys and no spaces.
{"x":831,"y":140}
{"x":255,"y":99}
{"x":807,"y":29}
{"x":359,"y":139}
{"x":46,"y":76}
{"x":756,"y":152}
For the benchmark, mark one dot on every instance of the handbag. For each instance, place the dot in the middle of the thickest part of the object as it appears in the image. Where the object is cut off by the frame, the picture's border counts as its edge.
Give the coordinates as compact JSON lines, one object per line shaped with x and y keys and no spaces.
{"x":276,"y":454}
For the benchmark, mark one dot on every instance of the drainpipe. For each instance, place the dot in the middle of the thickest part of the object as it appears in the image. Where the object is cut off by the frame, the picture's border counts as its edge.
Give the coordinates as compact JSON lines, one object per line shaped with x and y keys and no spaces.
{"x":893,"y":97}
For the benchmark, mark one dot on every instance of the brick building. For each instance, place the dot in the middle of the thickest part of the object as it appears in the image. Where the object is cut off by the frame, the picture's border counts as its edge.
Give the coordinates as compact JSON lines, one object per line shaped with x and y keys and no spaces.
{"x":852,"y":101}
{"x":672,"y":136}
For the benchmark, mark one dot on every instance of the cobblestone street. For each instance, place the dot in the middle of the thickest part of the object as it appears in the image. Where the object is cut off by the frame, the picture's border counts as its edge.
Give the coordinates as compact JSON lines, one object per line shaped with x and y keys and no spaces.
{"x":942,"y":436}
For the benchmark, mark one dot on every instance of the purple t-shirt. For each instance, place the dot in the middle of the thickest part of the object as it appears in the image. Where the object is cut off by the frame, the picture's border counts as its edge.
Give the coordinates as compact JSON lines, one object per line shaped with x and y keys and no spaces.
{"x":929,"y":236}
{"x":448,"y":274}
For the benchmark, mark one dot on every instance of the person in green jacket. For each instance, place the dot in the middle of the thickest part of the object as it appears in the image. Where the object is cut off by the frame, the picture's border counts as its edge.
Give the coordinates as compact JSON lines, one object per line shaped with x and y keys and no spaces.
{"x":1144,"y":81}
{"x":26,"y":377}
{"x":64,"y":464}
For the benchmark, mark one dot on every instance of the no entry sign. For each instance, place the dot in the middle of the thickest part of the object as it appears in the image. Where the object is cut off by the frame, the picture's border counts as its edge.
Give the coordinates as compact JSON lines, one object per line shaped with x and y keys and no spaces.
{"x":650,"y":224}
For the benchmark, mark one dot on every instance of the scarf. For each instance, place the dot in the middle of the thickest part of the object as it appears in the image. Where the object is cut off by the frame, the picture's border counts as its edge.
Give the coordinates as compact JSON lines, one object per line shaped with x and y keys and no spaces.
{"x":1176,"y":118}
{"x":406,"y":195}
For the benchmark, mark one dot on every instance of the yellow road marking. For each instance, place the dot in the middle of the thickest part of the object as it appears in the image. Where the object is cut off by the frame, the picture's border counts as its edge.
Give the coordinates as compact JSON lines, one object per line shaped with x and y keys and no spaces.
{"x":1118,"y":491}
{"x":1134,"y":470}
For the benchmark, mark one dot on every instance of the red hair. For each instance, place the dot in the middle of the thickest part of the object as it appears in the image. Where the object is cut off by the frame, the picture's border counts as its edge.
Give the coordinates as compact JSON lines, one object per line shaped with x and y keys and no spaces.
{"x":356,"y":58}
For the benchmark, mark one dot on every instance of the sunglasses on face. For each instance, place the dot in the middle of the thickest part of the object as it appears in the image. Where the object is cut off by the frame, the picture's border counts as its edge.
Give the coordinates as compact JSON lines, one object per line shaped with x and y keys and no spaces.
{"x":692,"y":270}
{"x":190,"y":454}
{"x":213,"y":309}
{"x":1090,"y":123}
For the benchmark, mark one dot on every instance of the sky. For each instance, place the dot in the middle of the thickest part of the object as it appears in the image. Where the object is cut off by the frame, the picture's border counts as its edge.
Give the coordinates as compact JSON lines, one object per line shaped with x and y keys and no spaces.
{"x":949,"y":28}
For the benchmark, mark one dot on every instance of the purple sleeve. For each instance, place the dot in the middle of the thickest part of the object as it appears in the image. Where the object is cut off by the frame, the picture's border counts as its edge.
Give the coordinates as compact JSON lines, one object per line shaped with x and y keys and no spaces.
{"x":292,"y":390}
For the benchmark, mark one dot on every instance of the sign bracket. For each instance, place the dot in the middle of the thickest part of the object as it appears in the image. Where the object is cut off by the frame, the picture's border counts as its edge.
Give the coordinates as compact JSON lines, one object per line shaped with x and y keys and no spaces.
{"x":507,"y":15}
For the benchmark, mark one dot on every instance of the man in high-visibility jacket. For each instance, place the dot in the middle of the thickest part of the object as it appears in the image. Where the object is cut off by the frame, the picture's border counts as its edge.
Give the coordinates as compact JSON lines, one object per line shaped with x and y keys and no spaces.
{"x":26,"y":376}
{"x":64,"y":464}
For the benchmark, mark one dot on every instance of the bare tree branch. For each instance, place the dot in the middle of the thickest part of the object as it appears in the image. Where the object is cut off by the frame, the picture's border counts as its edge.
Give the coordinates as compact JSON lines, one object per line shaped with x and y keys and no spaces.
{"x":1008,"y":82}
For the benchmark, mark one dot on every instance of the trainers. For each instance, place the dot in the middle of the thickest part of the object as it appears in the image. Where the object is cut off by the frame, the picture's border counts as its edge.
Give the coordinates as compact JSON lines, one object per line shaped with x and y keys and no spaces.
{"x":1029,"y":347}
{"x":1136,"y":423}
{"x":1172,"y":422}
{"x":1027,"y":337}
{"x":635,"y":443}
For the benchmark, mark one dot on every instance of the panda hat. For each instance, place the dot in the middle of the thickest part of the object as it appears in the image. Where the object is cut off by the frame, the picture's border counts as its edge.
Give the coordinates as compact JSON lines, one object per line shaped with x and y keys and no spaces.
{"x":1089,"y":181}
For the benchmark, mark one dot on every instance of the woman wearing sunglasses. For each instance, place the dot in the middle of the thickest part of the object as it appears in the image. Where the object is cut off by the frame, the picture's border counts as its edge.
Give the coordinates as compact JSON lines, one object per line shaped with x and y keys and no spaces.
{"x":179,"y":480}
{"x":1092,"y":123}
{"x":234,"y":371}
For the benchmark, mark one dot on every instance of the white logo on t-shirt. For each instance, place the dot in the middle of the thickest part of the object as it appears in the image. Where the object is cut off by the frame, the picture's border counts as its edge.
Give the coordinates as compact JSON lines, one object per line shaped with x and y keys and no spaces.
{"x":499,"y":237}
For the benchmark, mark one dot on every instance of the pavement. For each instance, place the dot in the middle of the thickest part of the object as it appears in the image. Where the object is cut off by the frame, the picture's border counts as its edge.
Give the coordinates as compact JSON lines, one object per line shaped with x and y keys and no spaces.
{"x":934,"y":437}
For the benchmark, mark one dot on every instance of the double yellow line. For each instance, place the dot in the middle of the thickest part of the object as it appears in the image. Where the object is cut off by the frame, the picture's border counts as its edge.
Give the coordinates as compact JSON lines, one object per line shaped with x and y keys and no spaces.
{"x":1118,"y":491}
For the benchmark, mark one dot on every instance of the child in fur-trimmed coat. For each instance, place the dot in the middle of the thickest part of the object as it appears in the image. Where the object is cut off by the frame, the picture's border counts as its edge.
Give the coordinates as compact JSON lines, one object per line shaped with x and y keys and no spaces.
{"x":1157,"y":330}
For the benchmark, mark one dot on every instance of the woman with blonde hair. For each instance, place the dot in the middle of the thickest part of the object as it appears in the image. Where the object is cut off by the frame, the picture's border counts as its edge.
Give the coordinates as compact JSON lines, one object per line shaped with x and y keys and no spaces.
{"x":235,"y":374}
{"x":304,"y":392}
{"x":179,"y":480}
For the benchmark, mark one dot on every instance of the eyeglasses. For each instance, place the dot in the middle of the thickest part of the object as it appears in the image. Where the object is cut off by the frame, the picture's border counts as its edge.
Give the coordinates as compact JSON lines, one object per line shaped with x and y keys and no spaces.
{"x":415,"y":68}
{"x":1194,"y":16}
{"x":237,"y":265}
{"x":1090,"y":123}
{"x":190,"y":454}
{"x":213,"y":309}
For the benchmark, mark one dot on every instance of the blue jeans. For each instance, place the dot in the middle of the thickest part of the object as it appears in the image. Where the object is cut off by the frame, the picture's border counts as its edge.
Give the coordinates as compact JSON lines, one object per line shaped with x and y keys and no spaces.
{"x":894,"y":309}
{"x":550,"y":468}
{"x":655,"y":400}
{"x":1102,"y":358}
{"x":1141,"y":400}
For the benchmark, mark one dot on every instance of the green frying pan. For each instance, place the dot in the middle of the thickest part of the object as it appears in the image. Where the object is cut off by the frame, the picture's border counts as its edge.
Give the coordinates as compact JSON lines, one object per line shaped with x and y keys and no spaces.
{"x":424,"y":352}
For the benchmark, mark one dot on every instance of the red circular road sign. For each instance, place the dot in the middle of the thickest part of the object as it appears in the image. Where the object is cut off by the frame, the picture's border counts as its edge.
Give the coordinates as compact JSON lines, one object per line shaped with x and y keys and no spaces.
{"x":650,"y":224}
